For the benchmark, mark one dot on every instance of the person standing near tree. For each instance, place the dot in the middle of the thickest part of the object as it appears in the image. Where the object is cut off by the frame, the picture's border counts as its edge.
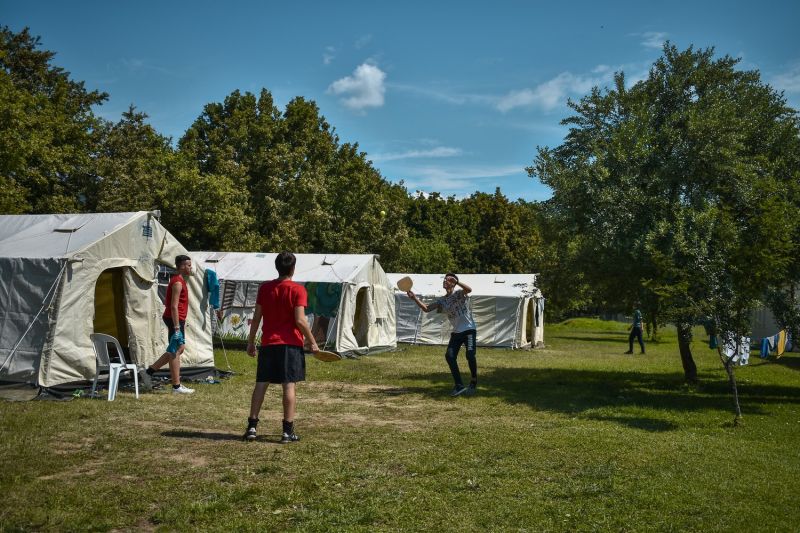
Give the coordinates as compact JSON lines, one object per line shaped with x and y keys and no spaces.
{"x":177,"y":309}
{"x":457,"y":306}
{"x":281,"y":304}
{"x":636,"y":330}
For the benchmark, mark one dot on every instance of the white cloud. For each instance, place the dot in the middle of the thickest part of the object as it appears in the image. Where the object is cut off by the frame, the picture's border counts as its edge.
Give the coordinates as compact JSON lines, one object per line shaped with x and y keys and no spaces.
{"x":788,"y":81}
{"x":456,"y":178}
{"x":439,"y":151}
{"x":653,"y":39}
{"x":554,"y":92}
{"x":140,"y":65}
{"x":450,"y":97}
{"x":364,"y":89}
{"x":328,"y":55}
{"x":363,"y":41}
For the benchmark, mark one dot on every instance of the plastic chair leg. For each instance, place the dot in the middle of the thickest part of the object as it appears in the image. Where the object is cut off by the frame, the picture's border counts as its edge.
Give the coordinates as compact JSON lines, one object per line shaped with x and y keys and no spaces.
{"x":136,"y":380}
{"x":113,"y":382}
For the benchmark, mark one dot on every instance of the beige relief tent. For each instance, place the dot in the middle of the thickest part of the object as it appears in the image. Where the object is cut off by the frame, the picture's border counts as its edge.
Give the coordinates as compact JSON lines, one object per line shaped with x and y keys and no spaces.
{"x":350,"y":299}
{"x":63,"y":277}
{"x":508,"y":310}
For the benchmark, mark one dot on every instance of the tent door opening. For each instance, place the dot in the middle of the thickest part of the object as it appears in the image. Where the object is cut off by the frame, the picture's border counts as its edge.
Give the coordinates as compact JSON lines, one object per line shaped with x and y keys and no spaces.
{"x":109,"y":306}
{"x":360,"y":319}
{"x":530,"y":317}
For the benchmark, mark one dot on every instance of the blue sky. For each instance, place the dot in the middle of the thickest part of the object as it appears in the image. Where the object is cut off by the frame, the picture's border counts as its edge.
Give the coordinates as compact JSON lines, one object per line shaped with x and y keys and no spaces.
{"x":448,"y":96}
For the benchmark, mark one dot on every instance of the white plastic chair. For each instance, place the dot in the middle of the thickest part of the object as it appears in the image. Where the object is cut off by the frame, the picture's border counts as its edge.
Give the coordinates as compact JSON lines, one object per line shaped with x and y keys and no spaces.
{"x":100,"y":342}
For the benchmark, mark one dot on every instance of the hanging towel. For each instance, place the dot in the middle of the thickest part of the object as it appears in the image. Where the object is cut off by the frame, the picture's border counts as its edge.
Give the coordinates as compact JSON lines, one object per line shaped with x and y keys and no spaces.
{"x":764,"y":348}
{"x":212,"y":284}
{"x":781,"y":344}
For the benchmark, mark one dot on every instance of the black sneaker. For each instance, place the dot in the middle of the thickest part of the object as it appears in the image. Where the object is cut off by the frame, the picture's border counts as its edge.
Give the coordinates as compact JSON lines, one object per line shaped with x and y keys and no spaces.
{"x":286,"y":438}
{"x":629,"y":352}
{"x":250,"y":434}
{"x":472,"y":388}
{"x":458,"y":390}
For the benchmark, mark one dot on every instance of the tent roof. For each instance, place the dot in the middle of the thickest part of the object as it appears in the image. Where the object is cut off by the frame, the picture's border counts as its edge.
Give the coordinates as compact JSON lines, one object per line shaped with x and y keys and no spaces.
{"x":512,"y":285}
{"x":58,"y":235}
{"x":243,"y":266}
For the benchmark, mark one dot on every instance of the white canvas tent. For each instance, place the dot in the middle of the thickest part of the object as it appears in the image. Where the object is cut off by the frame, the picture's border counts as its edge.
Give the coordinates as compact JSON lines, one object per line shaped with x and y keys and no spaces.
{"x":508,"y":310}
{"x":63,"y":277}
{"x":351,"y":307}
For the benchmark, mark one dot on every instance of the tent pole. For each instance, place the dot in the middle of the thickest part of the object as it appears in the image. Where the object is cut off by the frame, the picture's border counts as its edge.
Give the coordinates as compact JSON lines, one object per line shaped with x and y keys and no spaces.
{"x":215,"y":321}
{"x":416,"y":326}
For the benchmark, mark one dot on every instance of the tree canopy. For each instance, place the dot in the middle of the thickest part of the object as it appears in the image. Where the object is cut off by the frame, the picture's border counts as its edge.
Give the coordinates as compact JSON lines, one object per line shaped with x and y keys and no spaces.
{"x":48,"y":132}
{"x":680,"y":190}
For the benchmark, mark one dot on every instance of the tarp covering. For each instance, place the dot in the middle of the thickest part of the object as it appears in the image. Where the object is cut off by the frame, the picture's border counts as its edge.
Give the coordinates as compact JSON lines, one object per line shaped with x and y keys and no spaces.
{"x":508,"y":310}
{"x":50,"y":266}
{"x":350,"y":300}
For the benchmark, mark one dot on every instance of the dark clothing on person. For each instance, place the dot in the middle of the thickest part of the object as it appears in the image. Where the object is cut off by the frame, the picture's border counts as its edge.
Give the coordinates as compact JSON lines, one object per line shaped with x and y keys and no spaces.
{"x":281,"y":363}
{"x":636,"y":332}
{"x":467,"y":338}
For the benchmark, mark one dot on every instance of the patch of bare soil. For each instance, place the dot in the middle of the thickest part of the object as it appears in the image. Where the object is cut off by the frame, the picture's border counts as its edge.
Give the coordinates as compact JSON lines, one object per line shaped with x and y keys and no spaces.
{"x":88,"y":469}
{"x":356,"y":404}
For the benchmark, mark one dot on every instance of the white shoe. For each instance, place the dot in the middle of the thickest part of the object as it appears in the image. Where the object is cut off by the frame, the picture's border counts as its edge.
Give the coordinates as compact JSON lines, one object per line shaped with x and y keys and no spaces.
{"x":182,"y":390}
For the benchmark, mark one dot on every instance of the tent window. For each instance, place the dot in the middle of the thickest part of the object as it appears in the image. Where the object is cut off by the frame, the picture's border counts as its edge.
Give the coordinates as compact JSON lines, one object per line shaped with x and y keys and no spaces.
{"x":361,"y":320}
{"x":109,"y":306}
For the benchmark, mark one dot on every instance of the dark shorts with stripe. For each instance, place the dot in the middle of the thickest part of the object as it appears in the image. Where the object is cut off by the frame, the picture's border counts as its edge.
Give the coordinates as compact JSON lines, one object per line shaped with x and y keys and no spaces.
{"x":281,"y":363}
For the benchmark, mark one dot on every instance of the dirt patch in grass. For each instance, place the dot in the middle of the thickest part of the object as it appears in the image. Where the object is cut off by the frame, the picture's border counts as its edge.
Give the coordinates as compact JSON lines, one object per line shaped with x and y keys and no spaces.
{"x":350,"y":404}
{"x":193,"y":459}
{"x":88,"y":469}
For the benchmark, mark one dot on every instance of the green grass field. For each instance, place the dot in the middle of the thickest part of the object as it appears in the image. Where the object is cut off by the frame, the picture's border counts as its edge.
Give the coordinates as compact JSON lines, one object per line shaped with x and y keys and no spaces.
{"x":573,"y":437}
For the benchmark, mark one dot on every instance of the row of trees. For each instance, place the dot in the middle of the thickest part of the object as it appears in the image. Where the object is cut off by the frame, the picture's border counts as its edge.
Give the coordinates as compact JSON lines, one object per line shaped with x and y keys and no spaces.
{"x":245,"y":176}
{"x":681,"y":191}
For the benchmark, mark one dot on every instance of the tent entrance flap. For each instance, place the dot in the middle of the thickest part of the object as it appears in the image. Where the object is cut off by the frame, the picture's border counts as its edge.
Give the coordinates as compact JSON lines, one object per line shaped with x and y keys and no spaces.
{"x":109,"y":305}
{"x":529,"y":321}
{"x":361,"y":319}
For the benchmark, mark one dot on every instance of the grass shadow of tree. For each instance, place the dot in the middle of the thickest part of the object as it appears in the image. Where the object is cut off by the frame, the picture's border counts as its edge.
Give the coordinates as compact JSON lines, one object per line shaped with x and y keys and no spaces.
{"x":614,"y":396}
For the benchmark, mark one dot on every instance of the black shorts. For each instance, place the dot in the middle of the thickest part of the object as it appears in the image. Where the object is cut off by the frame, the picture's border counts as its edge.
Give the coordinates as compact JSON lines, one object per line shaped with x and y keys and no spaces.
{"x":169,"y":323}
{"x":281,"y":363}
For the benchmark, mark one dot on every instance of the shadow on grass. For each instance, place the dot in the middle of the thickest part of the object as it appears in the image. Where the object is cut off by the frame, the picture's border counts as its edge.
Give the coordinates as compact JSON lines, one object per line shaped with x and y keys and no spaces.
{"x":623,"y":341}
{"x":181,"y":434}
{"x":614,"y":394}
{"x":789,"y":362}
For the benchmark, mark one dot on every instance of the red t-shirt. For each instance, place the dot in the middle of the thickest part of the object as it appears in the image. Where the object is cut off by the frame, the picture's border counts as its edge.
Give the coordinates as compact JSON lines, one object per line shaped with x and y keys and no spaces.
{"x":277,"y":299}
{"x":183,"y":298}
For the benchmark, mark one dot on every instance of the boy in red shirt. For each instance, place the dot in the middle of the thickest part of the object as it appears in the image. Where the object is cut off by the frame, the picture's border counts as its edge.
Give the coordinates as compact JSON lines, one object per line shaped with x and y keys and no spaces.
{"x":281,"y":303}
{"x":177,"y":307}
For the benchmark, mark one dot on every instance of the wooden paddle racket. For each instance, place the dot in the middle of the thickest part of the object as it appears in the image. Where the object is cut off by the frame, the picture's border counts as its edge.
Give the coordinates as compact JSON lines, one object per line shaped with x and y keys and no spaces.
{"x":405,"y":284}
{"x":324,"y":355}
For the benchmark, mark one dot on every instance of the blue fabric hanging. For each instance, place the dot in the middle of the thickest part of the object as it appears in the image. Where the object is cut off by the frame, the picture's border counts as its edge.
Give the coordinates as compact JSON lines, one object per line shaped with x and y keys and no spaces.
{"x":212,"y":284}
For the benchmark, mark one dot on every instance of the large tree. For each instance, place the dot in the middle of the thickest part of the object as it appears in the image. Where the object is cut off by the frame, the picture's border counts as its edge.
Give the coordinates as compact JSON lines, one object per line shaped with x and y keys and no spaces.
{"x":681,"y":188}
{"x":48,"y":131}
{"x":139,"y":170}
{"x":308,"y":191}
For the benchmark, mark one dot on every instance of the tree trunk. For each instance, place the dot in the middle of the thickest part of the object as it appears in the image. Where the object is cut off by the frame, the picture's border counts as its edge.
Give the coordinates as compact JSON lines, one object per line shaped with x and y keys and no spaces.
{"x":684,"y":345}
{"x":728,"y":364}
